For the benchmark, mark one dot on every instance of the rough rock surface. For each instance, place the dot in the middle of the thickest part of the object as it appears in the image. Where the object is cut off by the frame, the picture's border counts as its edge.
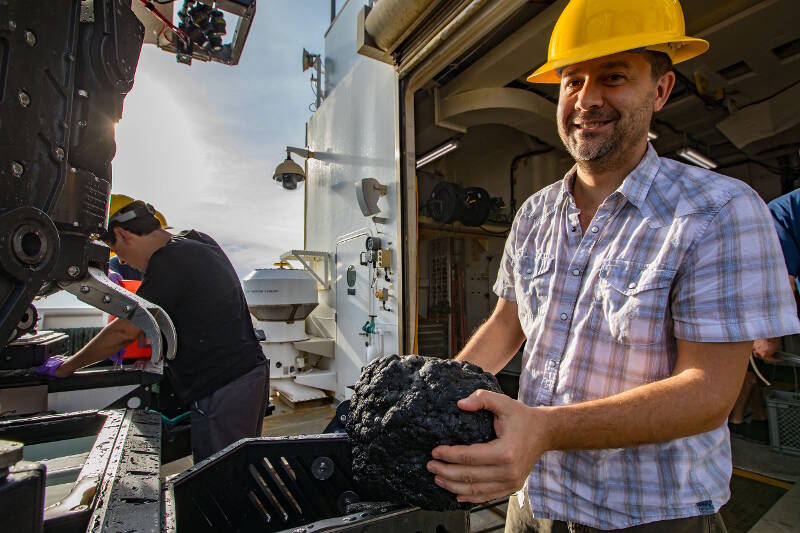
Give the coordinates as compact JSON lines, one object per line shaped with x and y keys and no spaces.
{"x":402,"y":408}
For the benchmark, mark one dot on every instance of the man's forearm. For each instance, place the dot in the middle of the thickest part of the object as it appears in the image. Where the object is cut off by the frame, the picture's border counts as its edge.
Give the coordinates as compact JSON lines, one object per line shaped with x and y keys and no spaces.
{"x":109,"y":341}
{"x":689,"y":402}
{"x":494,"y":344}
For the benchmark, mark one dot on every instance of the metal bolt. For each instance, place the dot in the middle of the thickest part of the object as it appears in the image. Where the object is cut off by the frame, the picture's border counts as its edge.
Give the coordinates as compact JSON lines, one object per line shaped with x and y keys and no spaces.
{"x":73,"y":271}
{"x":127,"y":308}
{"x":106,"y":299}
{"x":85,"y":289}
{"x":24,"y":99}
{"x":73,"y":170}
{"x":30,"y":38}
{"x":12,"y":25}
{"x":76,"y":223}
{"x":17,"y":169}
{"x":60,"y":153}
{"x":343,"y":419}
{"x":83,"y":93}
{"x":81,"y":123}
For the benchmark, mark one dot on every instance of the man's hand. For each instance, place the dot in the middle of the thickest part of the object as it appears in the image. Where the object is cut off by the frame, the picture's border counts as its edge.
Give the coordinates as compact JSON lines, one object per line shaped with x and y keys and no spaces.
{"x":486,"y":471}
{"x":765,"y":349}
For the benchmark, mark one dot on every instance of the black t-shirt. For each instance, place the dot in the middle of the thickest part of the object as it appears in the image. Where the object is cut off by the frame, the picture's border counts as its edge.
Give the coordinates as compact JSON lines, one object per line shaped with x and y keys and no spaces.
{"x":192,"y":279}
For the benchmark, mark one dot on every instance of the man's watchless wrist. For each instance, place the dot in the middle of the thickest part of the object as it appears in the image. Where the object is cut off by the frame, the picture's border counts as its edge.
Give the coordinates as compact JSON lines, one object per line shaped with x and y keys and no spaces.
{"x":542,"y":421}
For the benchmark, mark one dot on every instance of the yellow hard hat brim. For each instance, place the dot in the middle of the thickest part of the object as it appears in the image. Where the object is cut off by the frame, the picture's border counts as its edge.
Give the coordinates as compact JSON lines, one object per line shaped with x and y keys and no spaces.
{"x":680,"y":50}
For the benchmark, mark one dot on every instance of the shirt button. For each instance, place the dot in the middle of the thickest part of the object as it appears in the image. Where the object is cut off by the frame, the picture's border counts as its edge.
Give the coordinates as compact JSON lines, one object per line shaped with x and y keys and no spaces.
{"x":564,"y":316}
{"x":576,"y":272}
{"x":595,"y":229}
{"x":631,"y":285}
{"x":530,"y":271}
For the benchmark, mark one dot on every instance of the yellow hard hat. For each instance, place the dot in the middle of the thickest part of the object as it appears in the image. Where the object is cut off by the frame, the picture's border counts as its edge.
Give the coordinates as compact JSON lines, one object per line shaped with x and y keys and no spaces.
{"x":588,"y":29}
{"x":119,"y":201}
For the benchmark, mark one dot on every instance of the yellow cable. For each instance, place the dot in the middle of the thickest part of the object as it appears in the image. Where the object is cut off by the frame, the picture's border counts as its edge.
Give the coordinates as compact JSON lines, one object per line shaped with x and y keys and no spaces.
{"x":762,"y":479}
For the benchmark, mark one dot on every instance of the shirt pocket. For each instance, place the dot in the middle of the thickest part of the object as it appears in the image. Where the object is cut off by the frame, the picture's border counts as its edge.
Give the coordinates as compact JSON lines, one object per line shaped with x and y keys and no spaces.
{"x":532,"y":273}
{"x":631,"y":302}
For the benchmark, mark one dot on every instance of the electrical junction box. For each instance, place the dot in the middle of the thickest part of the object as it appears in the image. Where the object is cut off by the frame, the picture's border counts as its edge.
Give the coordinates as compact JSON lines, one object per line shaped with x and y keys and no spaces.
{"x":382,"y":294}
{"x":384,"y":258}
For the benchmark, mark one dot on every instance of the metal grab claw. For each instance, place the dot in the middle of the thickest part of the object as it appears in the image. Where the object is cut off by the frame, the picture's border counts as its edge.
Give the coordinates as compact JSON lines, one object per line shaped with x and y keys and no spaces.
{"x":100,"y":292}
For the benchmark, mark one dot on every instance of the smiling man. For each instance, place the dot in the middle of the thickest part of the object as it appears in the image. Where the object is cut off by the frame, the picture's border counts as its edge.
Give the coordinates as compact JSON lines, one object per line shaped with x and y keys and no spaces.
{"x":639,"y":284}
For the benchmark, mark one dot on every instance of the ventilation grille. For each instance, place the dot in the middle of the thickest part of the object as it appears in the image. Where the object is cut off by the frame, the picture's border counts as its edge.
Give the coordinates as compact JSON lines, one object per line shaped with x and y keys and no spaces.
{"x":787,"y":50}
{"x":736,"y":70}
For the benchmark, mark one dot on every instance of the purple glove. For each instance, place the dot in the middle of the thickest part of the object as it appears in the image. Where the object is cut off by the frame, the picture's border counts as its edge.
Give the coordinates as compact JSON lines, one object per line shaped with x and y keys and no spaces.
{"x":115,"y":277}
{"x":117,"y":357}
{"x":50,"y":366}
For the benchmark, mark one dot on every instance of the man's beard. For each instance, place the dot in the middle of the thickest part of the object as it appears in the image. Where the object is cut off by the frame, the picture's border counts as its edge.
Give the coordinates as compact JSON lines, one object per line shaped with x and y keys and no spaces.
{"x":625,"y":133}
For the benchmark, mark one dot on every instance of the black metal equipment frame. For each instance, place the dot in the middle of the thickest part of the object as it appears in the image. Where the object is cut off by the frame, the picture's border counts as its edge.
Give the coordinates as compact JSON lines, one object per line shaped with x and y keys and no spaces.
{"x":231,"y":52}
{"x":288,"y":484}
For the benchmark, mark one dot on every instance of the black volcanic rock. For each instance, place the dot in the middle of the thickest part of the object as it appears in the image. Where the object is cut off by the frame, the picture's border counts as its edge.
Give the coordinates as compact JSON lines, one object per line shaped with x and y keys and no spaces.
{"x":402,"y":408}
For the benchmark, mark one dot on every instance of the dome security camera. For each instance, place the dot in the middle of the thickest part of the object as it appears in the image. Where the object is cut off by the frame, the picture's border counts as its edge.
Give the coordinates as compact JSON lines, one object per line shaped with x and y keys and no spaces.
{"x":288,"y":174}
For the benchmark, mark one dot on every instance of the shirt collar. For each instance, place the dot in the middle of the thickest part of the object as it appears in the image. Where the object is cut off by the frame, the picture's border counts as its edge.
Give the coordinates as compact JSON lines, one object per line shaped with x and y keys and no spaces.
{"x":634,"y":187}
{"x":637,"y":184}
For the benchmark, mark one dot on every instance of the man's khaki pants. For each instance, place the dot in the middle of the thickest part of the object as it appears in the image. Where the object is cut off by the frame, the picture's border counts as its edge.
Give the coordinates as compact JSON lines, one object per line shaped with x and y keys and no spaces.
{"x":521,"y":520}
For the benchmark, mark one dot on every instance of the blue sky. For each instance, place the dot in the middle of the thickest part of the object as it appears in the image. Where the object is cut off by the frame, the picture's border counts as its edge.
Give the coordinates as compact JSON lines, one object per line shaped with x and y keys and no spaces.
{"x":201,"y":143}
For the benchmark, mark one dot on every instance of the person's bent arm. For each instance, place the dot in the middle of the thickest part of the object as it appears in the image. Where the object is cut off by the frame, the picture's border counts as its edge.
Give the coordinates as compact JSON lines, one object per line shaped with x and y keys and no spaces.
{"x":696,"y":398}
{"x":765,"y":348}
{"x":497,"y":340}
{"x":111,"y":339}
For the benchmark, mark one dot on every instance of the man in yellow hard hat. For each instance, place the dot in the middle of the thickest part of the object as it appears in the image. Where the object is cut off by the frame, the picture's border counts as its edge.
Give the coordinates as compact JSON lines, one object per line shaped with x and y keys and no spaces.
{"x":119,"y":201}
{"x":638,"y":284}
{"x":219,"y":370}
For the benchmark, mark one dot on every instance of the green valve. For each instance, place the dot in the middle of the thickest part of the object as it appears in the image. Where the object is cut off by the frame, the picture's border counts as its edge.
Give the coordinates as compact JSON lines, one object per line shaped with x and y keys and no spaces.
{"x":369,"y":325}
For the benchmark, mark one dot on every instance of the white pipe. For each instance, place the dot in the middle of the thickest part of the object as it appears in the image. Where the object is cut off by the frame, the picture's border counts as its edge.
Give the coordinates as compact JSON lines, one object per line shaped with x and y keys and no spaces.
{"x":440,"y":37}
{"x":390,"y":18}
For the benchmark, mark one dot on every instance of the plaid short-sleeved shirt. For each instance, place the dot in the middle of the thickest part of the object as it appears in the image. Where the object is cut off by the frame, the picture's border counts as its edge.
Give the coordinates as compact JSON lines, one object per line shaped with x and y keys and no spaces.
{"x":677,"y":252}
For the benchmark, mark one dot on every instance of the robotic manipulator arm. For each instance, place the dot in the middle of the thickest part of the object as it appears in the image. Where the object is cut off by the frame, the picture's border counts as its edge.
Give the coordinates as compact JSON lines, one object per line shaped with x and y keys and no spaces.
{"x":65,"y":68}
